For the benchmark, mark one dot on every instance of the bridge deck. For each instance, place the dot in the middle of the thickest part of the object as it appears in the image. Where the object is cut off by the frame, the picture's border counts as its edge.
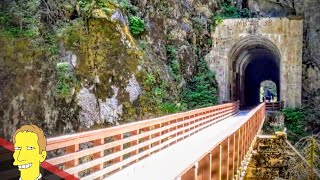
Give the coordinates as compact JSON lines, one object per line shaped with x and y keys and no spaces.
{"x":170,"y":162}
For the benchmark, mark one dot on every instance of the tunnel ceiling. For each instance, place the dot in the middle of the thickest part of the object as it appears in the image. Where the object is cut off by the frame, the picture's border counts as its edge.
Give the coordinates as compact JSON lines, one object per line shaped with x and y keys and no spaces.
{"x":254,"y":61}
{"x":261,"y":66}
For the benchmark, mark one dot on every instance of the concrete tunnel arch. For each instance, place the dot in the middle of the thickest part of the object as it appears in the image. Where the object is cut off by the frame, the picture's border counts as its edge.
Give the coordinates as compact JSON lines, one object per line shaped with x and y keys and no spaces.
{"x":253,"y":60}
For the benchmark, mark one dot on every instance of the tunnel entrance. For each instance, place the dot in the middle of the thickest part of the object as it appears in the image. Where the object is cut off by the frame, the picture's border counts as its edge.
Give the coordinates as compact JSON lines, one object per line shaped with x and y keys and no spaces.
{"x":254,"y":61}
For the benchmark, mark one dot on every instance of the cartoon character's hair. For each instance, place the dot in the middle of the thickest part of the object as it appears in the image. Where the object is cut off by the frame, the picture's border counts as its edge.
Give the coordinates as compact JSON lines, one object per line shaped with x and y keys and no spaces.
{"x":42,"y":142}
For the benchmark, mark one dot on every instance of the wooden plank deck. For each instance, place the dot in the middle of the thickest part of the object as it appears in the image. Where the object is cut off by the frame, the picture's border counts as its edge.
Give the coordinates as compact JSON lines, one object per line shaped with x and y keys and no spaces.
{"x":171,"y":162}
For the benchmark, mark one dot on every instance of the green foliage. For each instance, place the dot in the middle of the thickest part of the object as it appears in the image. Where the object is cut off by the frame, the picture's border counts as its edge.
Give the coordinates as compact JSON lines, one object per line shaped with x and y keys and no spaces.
{"x":198,"y":24}
{"x":294,"y":121}
{"x":150,"y":79}
{"x":201,"y":91}
{"x":51,"y":44}
{"x":175,"y":70}
{"x":86,"y":7}
{"x":155,"y":99}
{"x":169,"y":107}
{"x":228,"y":10}
{"x":174,"y":66}
{"x":169,"y":37}
{"x":143,"y":44}
{"x":309,"y":147}
{"x":271,"y":87}
{"x":136,"y":25}
{"x":278,"y":128}
{"x":209,"y":41}
{"x":171,"y":51}
{"x":66,"y":81}
{"x":127,"y":6}
{"x":20,"y":19}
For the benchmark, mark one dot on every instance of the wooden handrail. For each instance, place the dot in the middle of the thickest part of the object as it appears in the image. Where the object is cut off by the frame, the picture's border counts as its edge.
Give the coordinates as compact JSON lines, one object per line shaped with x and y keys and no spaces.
{"x":112,"y":149}
{"x":228,"y":159}
{"x":274,"y":106}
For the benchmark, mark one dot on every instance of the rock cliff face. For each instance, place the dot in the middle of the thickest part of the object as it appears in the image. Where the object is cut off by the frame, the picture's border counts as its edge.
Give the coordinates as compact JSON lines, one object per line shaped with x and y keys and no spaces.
{"x":86,"y":84}
{"x":85,"y":70}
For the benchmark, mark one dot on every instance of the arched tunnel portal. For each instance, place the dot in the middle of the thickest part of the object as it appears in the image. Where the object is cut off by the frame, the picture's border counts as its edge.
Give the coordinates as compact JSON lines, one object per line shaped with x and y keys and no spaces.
{"x":254,"y":59}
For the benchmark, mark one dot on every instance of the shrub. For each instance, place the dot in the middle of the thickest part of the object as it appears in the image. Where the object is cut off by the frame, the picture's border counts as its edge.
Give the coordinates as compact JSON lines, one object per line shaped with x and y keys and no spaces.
{"x":20,"y":18}
{"x":65,"y":81}
{"x":174,"y":66}
{"x":136,"y":25}
{"x":168,"y":108}
{"x":128,"y":7}
{"x":229,"y":11}
{"x":201,"y":91}
{"x":175,"y":70}
{"x":150,"y":79}
{"x":294,"y":121}
{"x":198,"y":24}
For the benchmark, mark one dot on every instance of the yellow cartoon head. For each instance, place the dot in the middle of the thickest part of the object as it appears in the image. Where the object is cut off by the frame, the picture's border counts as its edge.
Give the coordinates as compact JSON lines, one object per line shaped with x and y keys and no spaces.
{"x":29,"y":151}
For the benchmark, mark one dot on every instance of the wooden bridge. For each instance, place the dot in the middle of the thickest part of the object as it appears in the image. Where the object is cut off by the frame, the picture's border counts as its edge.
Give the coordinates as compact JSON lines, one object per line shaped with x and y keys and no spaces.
{"x":207,"y":143}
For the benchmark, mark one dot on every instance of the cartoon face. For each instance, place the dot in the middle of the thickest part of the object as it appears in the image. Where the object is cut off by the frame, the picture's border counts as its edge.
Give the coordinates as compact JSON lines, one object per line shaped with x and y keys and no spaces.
{"x":27,"y":155}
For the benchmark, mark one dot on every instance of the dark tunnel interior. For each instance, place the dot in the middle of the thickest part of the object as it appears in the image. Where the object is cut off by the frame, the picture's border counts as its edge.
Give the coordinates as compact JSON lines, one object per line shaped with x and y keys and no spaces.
{"x":263,"y":66}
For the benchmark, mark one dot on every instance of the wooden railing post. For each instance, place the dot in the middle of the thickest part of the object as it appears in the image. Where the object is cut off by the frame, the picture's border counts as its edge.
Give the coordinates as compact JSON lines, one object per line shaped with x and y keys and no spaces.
{"x":220,"y":162}
{"x":133,"y":143}
{"x":191,"y":174}
{"x":146,"y":139}
{"x":157,"y":134}
{"x":225,"y":159}
{"x":98,"y":154}
{"x":204,"y":169}
{"x":237,"y":153}
{"x":215,"y":163}
{"x":75,"y":162}
{"x":186,"y":124}
{"x":231,"y":156}
{"x":118,"y":148}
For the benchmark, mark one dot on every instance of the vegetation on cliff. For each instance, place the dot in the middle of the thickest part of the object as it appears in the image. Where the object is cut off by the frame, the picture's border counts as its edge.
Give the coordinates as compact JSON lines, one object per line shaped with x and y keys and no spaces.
{"x":95,"y":72}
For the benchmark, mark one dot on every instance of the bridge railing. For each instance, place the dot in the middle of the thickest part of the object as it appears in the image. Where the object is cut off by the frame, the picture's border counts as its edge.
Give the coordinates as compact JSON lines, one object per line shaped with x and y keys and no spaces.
{"x":228,"y":159}
{"x":274,"y":106}
{"x":98,"y":153}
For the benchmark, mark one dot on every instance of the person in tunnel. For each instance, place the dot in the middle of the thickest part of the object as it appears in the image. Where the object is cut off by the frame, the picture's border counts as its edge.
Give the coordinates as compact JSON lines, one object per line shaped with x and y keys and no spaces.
{"x":268,"y":95}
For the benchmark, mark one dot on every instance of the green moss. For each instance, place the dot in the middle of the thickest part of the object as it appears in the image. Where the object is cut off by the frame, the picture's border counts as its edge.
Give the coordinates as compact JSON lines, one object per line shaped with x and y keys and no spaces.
{"x":103,"y":56}
{"x":18,"y":53}
{"x":130,"y":112}
{"x":72,"y":33}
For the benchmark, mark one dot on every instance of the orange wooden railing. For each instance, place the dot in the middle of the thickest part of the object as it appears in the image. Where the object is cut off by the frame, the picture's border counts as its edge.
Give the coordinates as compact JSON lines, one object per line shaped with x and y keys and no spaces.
{"x":228,"y":159}
{"x":99,"y":153}
{"x":274,"y":106}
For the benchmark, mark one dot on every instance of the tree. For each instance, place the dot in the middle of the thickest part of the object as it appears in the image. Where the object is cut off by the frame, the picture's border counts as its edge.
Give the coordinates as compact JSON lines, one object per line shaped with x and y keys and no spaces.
{"x":309,"y":151}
